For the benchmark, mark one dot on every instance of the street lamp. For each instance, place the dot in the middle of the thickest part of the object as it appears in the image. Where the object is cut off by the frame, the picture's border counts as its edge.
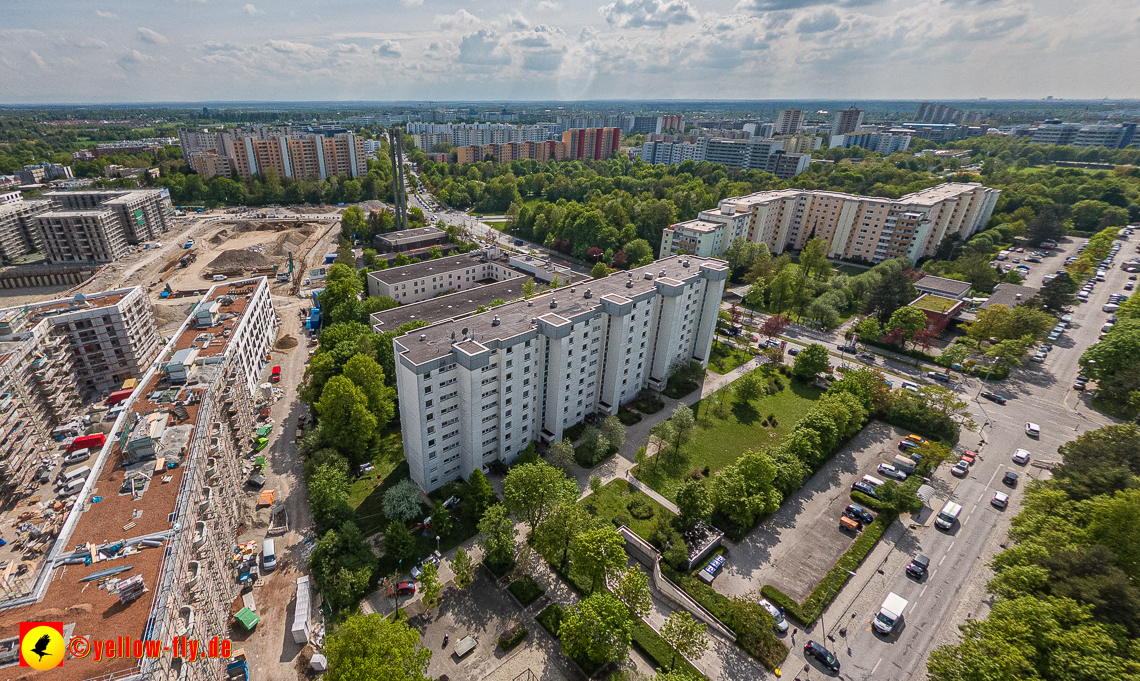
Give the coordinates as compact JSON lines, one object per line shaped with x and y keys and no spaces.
{"x":827,"y":598}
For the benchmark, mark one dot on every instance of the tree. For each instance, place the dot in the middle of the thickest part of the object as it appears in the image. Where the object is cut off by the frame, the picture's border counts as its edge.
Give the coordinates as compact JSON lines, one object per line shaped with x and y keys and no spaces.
{"x":531,"y":491}
{"x":342,"y":565}
{"x":399,"y":544}
{"x":694,"y":503}
{"x":633,"y":590}
{"x":1117,"y":351}
{"x":441,"y":523}
{"x":811,"y":360}
{"x":750,"y":620}
{"x":376,"y":648}
{"x":1100,"y":462}
{"x":596,"y":628}
{"x":497,"y":536}
{"x":529,"y":289}
{"x":430,"y":585}
{"x":595,"y":443}
{"x":346,"y":420}
{"x":1007,"y":354}
{"x":744,"y":490}
{"x":782,"y":291}
{"x":773,"y":326}
{"x":558,"y":532}
{"x":755,"y":296}
{"x":685,"y":635}
{"x":638,"y":252}
{"x":402,"y":501}
{"x":1049,"y":224}
{"x":328,"y":496}
{"x":892,"y":291}
{"x":910,"y":319}
{"x":463,"y":568}
{"x":480,"y":494}
{"x":562,"y":456}
{"x":741,"y":254}
{"x":600,"y":270}
{"x":351,"y":222}
{"x":955,"y":353}
{"x":813,"y":260}
{"x":367,"y":375}
{"x":597,"y":553}
{"x":683,"y":422}
{"x":749,"y":387}
{"x":1057,"y":294}
{"x":613,"y":431}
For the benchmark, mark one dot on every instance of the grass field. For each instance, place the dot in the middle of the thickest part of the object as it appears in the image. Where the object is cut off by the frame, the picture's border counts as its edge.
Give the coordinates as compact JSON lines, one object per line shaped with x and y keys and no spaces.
{"x":366,"y":493}
{"x":718,"y":442}
{"x":613,"y":500}
{"x":724,"y":358}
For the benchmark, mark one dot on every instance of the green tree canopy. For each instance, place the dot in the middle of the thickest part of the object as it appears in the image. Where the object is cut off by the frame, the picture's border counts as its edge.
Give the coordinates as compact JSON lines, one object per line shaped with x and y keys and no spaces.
{"x":376,"y":648}
{"x":532,"y":491}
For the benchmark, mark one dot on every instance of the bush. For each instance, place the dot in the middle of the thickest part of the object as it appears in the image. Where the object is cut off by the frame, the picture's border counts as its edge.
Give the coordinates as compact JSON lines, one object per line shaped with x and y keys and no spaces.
{"x":629,"y":418}
{"x":620,"y":520}
{"x":808,"y":612}
{"x":551,"y":618}
{"x":648,"y":403}
{"x":574,"y":432}
{"x":511,"y":638}
{"x":866,"y":500}
{"x":655,"y":648}
{"x":639,"y":508}
{"x":526,"y":590}
{"x":499,"y":569}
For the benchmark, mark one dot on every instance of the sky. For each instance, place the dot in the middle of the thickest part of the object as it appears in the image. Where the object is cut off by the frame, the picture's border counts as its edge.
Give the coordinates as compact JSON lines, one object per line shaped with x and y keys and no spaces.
{"x":78,"y":51}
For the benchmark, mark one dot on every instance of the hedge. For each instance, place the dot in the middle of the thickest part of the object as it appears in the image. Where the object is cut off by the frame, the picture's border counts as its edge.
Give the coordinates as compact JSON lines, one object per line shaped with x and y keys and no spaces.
{"x":655,"y":648}
{"x":808,"y":612}
{"x":508,"y":640}
{"x":551,"y":618}
{"x":868,"y":501}
{"x":526,"y":590}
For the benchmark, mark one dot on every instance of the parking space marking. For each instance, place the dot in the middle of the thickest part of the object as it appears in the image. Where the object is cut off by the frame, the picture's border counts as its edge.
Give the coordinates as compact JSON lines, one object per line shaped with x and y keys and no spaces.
{"x":943,"y":559}
{"x":920,"y":595}
{"x":876,"y":665}
{"x":994,"y":476}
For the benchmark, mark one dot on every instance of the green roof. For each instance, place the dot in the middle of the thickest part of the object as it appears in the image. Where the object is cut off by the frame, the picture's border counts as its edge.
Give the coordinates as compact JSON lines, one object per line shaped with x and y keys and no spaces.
{"x":935,"y":303}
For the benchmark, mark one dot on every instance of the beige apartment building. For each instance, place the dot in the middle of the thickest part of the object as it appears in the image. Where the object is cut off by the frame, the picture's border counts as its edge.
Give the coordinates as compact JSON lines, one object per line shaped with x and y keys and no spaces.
{"x":855,"y":227}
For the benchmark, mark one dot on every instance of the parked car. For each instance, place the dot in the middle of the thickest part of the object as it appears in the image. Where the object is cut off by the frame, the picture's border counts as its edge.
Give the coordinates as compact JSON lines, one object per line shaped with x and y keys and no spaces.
{"x":1021,"y":456}
{"x":994,"y":397}
{"x":865,"y":488}
{"x":859,"y":513}
{"x":968,"y":457}
{"x":848,"y":348}
{"x":960,"y":469}
{"x":891,"y":472}
{"x":1079,"y":385}
{"x":918,"y":566}
{"x":917,"y":439}
{"x":402,"y":589}
{"x":794,"y":351}
{"x":1000,"y":500}
{"x":939,"y":376}
{"x":823,"y":655}
{"x":778,"y":622}
{"x":905,"y":445}
{"x":1032,"y":429}
{"x":1010,"y":478}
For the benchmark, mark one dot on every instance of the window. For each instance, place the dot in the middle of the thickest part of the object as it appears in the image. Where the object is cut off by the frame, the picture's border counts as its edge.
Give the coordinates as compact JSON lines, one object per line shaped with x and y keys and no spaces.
{"x":427,"y":389}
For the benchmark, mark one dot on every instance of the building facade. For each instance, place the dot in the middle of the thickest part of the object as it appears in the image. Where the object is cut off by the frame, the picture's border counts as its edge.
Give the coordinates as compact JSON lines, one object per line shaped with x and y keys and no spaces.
{"x":430,"y":278}
{"x":789,"y":121}
{"x":210,"y":163}
{"x":100,"y":226}
{"x":18,"y":233}
{"x":878,"y":142}
{"x":595,"y":143}
{"x":855,"y":227}
{"x":478,"y":389}
{"x":846,"y":121}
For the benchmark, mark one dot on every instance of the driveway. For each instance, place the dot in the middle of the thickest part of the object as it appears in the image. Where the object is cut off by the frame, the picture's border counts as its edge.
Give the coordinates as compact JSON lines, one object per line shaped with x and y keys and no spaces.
{"x":795,"y":547}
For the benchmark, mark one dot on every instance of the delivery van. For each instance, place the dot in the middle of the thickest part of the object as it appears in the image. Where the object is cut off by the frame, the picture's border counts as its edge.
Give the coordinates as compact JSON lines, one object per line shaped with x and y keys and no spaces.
{"x":268,"y":555}
{"x":948,"y":515}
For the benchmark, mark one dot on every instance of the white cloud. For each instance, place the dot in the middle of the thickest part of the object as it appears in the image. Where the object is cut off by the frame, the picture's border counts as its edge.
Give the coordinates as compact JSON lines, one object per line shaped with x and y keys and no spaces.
{"x":648,"y":13}
{"x":35,"y":57}
{"x":250,"y":9}
{"x":482,"y":49}
{"x":153,"y":37}
{"x":105,"y":15}
{"x":517,"y":22}
{"x":548,"y":6}
{"x":817,"y":23}
{"x":411,"y":3}
{"x":461,"y":20}
{"x":387,"y":48}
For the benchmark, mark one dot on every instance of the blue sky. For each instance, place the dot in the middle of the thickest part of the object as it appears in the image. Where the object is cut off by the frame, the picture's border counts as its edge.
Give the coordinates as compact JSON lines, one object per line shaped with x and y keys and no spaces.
{"x":195,"y":50}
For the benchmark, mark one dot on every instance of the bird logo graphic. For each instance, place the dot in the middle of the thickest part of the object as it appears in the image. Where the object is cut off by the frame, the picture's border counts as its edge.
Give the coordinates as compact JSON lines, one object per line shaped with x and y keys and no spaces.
{"x":41,"y":645}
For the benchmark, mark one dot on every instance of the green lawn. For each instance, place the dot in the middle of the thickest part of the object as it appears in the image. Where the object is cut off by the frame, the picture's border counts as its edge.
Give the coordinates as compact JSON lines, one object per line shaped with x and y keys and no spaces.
{"x":719,"y":442}
{"x":724,"y":358}
{"x":496,"y":224}
{"x":366,"y":494}
{"x":613,"y":500}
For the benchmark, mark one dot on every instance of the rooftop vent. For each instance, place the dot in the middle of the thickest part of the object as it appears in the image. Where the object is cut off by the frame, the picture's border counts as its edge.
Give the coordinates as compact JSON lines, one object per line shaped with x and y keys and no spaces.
{"x":648,"y":275}
{"x":685,"y":264}
{"x":495,"y":321}
{"x":662,"y":272}
{"x":534,"y":320}
{"x":629,"y":284}
{"x":530,"y":303}
{"x":423,"y":337}
{"x":553,"y":304}
{"x":572,"y":289}
{"x":589,"y":294}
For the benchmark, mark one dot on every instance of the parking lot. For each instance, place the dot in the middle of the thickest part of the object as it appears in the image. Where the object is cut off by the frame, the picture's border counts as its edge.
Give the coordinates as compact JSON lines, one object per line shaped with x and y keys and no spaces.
{"x":795,"y":547}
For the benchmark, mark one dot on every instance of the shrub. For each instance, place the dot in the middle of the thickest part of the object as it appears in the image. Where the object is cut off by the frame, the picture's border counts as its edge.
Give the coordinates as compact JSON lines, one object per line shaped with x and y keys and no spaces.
{"x":655,"y":648}
{"x":694,"y":474}
{"x":640,"y":508}
{"x":629,"y":418}
{"x":551,"y":618}
{"x":512,"y":637}
{"x":648,"y":403}
{"x":621,"y":519}
{"x":499,"y":569}
{"x":865,"y":500}
{"x":526,"y":590}
{"x":574,"y":432}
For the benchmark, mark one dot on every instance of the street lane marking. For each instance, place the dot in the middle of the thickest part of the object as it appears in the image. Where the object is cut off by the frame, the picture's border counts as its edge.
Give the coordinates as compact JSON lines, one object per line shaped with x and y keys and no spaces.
{"x":943,"y":558}
{"x":876,"y":665}
{"x":920,"y":595}
{"x":1001,"y":466}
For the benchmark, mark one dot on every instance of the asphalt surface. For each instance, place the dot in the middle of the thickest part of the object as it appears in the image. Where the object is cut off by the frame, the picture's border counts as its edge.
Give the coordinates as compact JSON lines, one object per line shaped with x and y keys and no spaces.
{"x":954,"y":588}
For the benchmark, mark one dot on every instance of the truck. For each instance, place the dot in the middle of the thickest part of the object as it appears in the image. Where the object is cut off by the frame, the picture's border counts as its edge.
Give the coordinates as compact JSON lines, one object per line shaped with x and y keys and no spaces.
{"x":904,"y":463}
{"x":890,"y":614}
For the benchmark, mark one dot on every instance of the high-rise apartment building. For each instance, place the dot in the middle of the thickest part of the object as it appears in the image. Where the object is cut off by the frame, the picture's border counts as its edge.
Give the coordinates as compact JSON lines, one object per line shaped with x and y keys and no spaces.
{"x":756,"y":153}
{"x":854,"y":227}
{"x":431,"y":278}
{"x":99,"y":226}
{"x":18,"y":233}
{"x":1056,"y":132}
{"x":878,"y":142}
{"x":595,"y":143}
{"x":789,"y":121}
{"x":299,"y":153}
{"x":846,"y":121}
{"x":210,"y":163}
{"x":478,"y":389}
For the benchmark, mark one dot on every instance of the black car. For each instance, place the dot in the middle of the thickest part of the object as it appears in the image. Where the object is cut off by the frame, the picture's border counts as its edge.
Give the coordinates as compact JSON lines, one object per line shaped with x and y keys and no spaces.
{"x":865,"y":488}
{"x":825,"y":656}
{"x":848,"y":348}
{"x":1010,"y":479}
{"x":918,"y":567}
{"x":794,"y":351}
{"x":994,"y":397}
{"x":858,"y":513}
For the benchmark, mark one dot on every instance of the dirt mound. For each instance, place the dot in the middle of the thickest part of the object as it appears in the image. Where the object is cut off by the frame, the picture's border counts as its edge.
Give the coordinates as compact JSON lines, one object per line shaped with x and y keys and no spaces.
{"x":219,"y":238}
{"x":285,"y":343}
{"x":239,"y":259}
{"x":168,"y":314}
{"x":288,"y":241}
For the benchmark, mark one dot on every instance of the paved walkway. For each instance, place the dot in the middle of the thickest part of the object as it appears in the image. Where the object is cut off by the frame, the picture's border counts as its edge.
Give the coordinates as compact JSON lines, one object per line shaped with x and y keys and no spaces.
{"x":653,"y":494}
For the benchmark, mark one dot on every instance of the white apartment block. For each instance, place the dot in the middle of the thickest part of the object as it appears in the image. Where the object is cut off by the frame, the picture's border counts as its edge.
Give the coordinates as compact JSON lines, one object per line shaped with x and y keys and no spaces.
{"x":98,"y":225}
{"x":789,"y":121}
{"x":478,"y":389}
{"x":855,"y":227}
{"x":112,"y":334}
{"x":708,"y":236}
{"x":18,"y":233}
{"x":431,"y":278}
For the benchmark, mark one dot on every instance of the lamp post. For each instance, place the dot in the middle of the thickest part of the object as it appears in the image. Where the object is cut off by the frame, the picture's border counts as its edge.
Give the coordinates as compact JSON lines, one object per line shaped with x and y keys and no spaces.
{"x":826,"y":599}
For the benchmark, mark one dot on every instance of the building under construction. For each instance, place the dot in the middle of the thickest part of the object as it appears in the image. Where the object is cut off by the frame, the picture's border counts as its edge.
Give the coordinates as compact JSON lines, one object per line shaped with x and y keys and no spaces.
{"x":147,"y":550}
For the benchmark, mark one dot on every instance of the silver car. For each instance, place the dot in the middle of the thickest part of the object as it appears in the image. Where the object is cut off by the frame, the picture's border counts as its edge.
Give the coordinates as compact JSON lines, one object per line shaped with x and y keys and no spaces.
{"x":781,"y":624}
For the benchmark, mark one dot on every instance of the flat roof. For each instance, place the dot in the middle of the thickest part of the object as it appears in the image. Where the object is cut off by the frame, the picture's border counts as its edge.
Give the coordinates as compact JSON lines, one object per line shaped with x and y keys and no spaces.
{"x":1007,"y":294}
{"x":935,"y":303}
{"x":447,"y":307}
{"x":412,"y":235}
{"x":395,"y":275}
{"x":86,"y":606}
{"x":941,"y":285}
{"x":515,"y":318}
{"x":698,"y":225}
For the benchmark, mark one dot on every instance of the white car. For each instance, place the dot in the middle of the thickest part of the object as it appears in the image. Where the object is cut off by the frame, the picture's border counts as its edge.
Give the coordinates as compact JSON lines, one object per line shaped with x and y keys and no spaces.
{"x":1021,"y":456}
{"x":1000,"y":500}
{"x":781,"y":624}
{"x":1032,"y":430}
{"x":891,"y":471}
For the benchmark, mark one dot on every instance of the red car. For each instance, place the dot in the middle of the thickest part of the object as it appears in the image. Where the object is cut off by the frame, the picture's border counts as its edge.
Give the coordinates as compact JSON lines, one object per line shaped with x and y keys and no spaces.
{"x":402,"y":589}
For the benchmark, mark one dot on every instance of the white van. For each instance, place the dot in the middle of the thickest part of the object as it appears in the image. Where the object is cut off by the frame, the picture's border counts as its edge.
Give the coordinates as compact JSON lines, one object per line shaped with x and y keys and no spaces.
{"x":219,"y":277}
{"x":74,"y":474}
{"x":948,"y":515}
{"x":76,"y":457}
{"x":1100,"y":274}
{"x":68,"y":488}
{"x":268,"y":556}
{"x":872,"y":480}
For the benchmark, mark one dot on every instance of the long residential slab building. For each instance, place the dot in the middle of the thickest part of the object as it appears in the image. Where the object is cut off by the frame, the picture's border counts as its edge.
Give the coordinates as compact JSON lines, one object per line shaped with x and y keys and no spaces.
{"x":855,"y":227}
{"x":480,"y":388}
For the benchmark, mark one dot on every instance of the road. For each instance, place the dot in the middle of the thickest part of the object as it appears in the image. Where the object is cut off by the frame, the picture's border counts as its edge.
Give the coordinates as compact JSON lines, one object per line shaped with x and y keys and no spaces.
{"x":955,"y":588}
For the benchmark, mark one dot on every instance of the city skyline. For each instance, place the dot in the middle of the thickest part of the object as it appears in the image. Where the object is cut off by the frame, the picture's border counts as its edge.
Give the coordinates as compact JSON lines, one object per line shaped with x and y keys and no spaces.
{"x":194,"y":50}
